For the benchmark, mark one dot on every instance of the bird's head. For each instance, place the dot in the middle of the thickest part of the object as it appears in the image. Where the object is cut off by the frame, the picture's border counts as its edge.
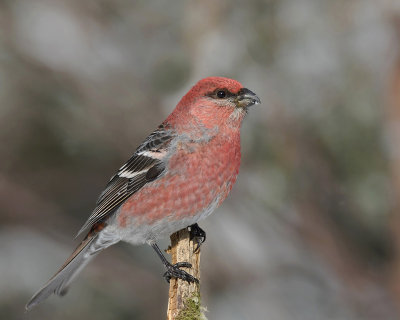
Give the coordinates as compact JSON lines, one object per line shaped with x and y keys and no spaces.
{"x":215,"y":101}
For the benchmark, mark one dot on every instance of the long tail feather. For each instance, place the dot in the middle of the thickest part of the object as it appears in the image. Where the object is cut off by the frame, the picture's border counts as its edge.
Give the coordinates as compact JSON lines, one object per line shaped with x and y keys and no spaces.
{"x":58,"y":284}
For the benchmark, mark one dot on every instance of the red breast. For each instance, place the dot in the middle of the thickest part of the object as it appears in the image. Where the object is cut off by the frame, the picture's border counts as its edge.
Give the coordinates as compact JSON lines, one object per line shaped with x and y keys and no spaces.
{"x":197,"y":174}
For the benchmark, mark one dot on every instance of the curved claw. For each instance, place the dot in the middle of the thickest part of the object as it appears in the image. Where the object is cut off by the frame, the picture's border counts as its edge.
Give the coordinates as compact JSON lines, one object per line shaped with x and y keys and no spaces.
{"x":198,"y":234}
{"x":182,"y":265}
{"x":173,"y":271}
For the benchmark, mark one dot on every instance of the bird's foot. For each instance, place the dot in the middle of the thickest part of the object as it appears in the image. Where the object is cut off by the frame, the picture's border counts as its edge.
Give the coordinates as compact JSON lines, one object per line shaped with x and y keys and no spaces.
{"x":174,"y":271}
{"x":198,"y":234}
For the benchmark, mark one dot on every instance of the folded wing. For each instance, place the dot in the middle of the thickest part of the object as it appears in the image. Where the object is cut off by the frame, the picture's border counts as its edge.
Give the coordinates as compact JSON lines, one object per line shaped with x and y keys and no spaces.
{"x":145,"y":165}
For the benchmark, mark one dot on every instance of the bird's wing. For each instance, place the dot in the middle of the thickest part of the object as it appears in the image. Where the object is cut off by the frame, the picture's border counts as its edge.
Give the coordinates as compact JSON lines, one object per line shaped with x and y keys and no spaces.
{"x":145,"y":165}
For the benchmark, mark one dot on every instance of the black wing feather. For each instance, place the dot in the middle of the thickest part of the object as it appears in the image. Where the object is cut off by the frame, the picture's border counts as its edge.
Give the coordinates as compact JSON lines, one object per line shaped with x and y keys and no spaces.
{"x":132,"y":176}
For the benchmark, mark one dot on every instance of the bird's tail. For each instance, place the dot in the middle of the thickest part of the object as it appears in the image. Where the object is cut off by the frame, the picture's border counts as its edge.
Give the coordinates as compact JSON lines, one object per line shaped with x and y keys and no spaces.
{"x":58,"y":284}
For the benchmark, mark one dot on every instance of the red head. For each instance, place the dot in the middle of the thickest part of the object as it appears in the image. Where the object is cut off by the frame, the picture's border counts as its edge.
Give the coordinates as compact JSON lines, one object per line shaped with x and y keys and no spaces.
{"x":213,"y":101}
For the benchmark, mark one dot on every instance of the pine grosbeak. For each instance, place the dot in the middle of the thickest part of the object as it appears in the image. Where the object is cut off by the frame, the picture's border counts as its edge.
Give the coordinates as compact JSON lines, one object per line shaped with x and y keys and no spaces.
{"x":176,"y":177}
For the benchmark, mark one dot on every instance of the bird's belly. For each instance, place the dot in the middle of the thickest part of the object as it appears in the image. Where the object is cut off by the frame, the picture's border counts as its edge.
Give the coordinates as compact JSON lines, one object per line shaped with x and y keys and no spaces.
{"x":191,"y":189}
{"x":146,"y":222}
{"x":139,"y":232}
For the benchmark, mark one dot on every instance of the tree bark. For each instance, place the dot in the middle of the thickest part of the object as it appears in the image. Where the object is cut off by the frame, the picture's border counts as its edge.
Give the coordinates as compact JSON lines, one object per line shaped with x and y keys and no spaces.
{"x":184,"y":297}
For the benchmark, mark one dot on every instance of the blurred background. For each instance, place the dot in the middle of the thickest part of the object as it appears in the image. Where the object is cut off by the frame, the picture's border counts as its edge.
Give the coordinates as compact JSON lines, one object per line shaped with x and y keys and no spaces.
{"x":310,"y":231}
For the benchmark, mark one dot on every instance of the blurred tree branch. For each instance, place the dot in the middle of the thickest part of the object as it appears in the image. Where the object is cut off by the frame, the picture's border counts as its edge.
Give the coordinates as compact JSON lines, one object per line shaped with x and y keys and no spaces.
{"x":392,"y":121}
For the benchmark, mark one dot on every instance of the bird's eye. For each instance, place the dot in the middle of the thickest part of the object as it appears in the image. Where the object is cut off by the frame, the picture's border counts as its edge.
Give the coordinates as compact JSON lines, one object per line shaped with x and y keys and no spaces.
{"x":221,"y":94}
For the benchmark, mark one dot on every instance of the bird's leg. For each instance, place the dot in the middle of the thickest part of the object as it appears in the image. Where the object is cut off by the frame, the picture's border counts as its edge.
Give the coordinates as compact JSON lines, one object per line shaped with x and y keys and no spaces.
{"x":173,"y":270}
{"x":198,"y":234}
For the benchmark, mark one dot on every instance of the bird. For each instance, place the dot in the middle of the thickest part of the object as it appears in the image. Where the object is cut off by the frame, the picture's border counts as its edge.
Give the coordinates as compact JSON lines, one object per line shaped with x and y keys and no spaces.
{"x":177,"y":177}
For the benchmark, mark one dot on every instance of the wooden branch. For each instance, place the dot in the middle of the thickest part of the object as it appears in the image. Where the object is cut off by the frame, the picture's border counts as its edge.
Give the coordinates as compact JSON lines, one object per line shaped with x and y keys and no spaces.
{"x":184,"y":297}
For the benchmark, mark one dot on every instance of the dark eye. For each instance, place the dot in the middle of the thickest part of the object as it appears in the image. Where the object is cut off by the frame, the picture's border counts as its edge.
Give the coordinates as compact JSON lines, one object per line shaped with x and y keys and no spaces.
{"x":221,"y":94}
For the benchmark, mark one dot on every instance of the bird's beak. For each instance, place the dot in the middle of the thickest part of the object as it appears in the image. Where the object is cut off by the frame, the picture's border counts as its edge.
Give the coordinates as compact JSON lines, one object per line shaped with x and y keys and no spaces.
{"x":246,"y":98}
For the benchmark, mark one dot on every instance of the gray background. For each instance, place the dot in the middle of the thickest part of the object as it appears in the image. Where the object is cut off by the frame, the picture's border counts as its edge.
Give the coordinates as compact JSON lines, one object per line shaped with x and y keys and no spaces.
{"x":310,"y":229}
